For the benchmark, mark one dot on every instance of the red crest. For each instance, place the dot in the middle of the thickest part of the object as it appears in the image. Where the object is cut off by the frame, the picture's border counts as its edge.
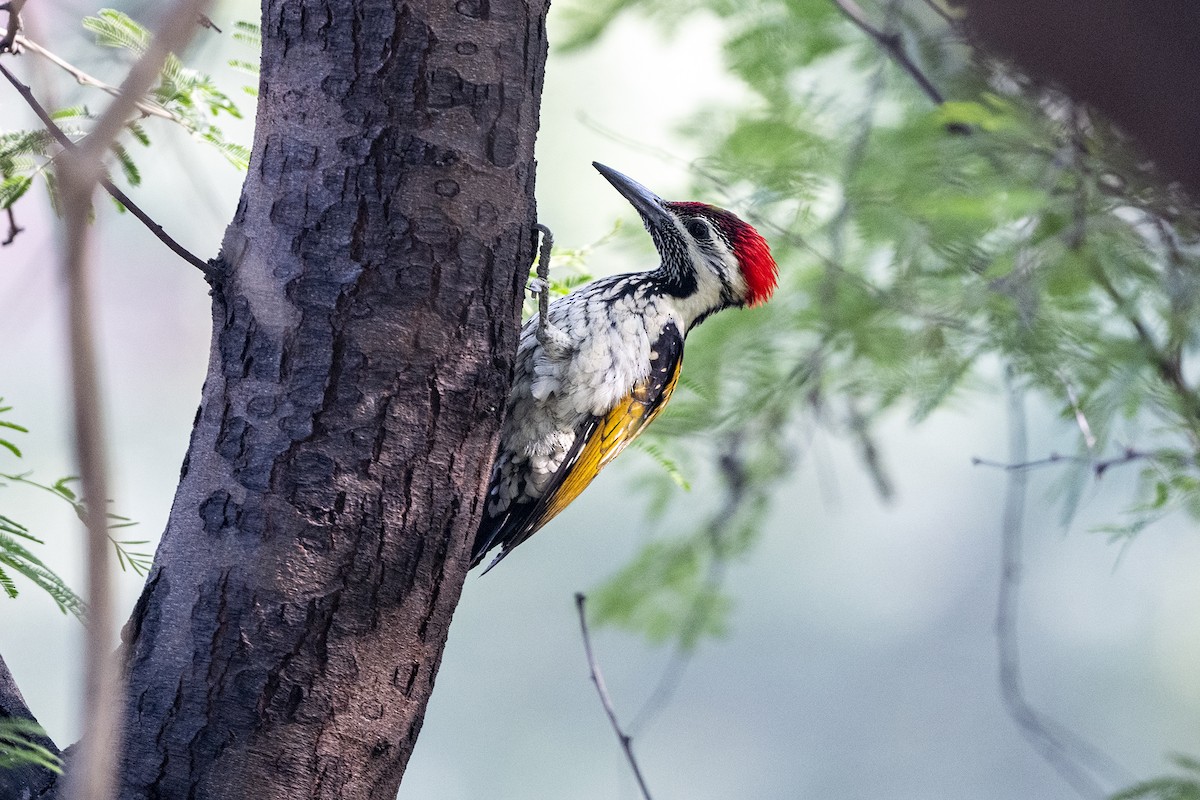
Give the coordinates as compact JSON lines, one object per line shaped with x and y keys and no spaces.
{"x":751,"y":249}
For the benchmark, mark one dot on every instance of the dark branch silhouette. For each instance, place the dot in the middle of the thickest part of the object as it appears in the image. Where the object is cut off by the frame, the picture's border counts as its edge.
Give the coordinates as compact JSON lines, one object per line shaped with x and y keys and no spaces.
{"x":606,"y":701}
{"x":1076,"y":760}
{"x":1098,"y":467}
{"x":892,"y":45}
{"x":13,"y":228}
{"x":13,"y":7}
{"x":108,"y":185}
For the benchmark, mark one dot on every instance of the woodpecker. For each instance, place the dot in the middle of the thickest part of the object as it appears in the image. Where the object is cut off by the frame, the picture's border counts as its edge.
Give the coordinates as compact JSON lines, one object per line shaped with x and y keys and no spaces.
{"x":605,"y":360}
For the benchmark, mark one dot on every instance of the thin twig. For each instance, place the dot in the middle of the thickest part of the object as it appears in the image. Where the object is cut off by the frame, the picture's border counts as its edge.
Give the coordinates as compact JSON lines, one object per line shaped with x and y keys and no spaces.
{"x":1098,"y":467}
{"x":146,"y":109}
{"x":602,"y":690}
{"x":13,"y":7}
{"x":108,"y":185}
{"x":79,"y":169}
{"x":1077,"y":761}
{"x":206,"y":22}
{"x":13,"y":228}
{"x":893,"y":45}
{"x":1168,"y":367}
{"x":1081,"y":419}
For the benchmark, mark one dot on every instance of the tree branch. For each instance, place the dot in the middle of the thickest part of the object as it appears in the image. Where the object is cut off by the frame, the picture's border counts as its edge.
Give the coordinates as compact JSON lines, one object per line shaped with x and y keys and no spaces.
{"x":13,"y":7}
{"x":1098,"y":467}
{"x":80,"y":168}
{"x":13,"y":228}
{"x":892,"y":45}
{"x":1077,"y":761}
{"x":1169,"y":369}
{"x":606,"y":701}
{"x":145,"y":108}
{"x":27,"y":780}
{"x":107,"y":184}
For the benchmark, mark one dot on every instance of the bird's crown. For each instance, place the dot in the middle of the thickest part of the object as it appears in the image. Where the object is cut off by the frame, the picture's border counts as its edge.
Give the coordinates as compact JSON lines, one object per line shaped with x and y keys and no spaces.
{"x":753,"y":254}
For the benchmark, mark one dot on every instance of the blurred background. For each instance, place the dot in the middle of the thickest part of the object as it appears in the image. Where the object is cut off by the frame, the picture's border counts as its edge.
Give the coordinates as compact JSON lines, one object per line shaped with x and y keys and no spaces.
{"x":856,"y":651}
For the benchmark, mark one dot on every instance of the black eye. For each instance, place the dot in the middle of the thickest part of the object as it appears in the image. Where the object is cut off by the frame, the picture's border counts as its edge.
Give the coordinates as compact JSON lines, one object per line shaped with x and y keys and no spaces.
{"x":698,"y":228}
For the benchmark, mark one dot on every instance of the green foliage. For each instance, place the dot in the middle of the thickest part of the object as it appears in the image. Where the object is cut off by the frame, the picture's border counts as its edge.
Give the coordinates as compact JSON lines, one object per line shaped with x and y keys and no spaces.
{"x":10,"y":426}
{"x":249,"y":34}
{"x":1176,"y":787}
{"x":17,"y":558}
{"x":191,"y":97}
{"x":920,"y":248}
{"x":137,"y":561}
{"x":183,"y":96}
{"x":664,"y":594}
{"x":113,"y":28}
{"x":21,"y":743}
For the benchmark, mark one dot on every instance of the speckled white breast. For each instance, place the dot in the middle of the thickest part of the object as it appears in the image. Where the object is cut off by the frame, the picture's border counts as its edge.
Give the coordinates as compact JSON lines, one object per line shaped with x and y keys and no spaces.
{"x":598,"y":346}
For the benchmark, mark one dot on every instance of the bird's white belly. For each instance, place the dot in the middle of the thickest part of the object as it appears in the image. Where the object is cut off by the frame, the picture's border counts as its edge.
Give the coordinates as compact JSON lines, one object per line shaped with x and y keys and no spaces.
{"x":594,"y":353}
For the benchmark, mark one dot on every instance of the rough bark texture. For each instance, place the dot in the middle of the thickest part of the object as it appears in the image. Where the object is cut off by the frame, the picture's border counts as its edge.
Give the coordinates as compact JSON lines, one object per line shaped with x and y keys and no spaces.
{"x":24,"y":781}
{"x":1136,"y":60}
{"x":365,"y":312}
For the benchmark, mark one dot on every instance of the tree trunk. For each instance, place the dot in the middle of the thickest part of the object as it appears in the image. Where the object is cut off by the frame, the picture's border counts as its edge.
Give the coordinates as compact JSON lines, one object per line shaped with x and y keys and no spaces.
{"x":365,"y":314}
{"x":26,"y":781}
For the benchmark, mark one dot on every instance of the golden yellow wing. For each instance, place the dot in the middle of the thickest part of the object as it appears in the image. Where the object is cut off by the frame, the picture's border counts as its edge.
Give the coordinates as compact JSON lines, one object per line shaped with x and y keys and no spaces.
{"x":598,"y":441}
{"x":616,"y":429}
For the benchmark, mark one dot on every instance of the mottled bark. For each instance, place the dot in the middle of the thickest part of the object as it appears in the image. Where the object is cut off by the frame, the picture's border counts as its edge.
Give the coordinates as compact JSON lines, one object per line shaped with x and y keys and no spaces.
{"x":365,"y":312}
{"x":1136,"y":60}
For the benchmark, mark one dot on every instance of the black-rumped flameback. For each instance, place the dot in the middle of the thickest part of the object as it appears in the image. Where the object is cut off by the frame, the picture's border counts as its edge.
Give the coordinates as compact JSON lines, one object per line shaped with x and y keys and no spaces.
{"x":608,"y":359}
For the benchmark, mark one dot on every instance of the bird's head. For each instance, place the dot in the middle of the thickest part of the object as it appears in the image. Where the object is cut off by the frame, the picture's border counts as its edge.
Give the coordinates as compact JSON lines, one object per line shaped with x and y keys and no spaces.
{"x":707,"y":252}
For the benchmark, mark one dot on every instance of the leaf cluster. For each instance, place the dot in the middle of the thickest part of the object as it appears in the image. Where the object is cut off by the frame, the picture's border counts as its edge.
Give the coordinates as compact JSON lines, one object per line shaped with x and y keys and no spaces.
{"x":21,"y":742}
{"x":17,"y":543}
{"x":16,"y":557}
{"x":186,"y":97}
{"x":922,"y":248}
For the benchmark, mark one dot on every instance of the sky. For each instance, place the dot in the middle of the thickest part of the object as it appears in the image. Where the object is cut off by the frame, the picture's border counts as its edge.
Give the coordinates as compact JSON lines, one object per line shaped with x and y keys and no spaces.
{"x":861,"y":659}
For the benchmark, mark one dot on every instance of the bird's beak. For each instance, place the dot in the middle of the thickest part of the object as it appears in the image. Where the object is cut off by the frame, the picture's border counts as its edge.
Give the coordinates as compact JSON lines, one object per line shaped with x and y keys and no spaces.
{"x":648,"y":204}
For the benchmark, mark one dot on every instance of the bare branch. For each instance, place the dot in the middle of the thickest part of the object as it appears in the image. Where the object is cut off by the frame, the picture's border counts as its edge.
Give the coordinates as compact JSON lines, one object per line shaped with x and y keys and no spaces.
{"x":892,"y":45}
{"x":13,"y":7}
{"x":1098,"y":467}
{"x":1077,"y":761}
{"x":605,"y":700}
{"x":13,"y":228}
{"x":80,"y":169}
{"x":145,"y":107}
{"x":107,"y":184}
{"x":206,"y":22}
